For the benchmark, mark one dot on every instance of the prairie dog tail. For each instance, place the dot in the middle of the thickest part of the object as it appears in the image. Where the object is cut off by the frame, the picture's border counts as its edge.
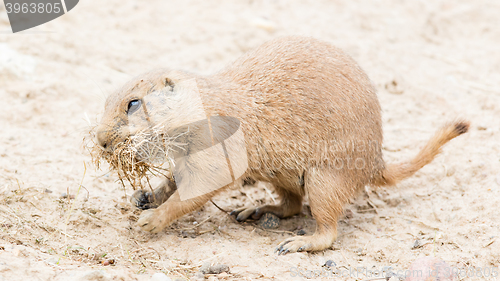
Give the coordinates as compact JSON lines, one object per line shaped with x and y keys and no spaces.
{"x":393,"y":173}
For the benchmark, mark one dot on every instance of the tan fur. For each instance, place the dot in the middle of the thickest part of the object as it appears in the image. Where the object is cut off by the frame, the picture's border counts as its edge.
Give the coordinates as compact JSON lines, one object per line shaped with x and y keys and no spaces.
{"x":312,"y":126}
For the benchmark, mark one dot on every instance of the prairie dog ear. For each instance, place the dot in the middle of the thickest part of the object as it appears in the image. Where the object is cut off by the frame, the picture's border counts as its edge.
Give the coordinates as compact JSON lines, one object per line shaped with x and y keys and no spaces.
{"x":172,"y":81}
{"x":177,"y":103}
{"x":169,"y":84}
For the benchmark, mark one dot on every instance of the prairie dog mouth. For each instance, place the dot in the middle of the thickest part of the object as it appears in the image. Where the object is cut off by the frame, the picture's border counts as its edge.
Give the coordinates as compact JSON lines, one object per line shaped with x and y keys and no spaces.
{"x":148,"y":152}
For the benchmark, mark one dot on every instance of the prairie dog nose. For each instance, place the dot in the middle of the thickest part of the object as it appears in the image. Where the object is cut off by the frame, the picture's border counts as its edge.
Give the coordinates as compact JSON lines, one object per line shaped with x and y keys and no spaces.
{"x":102,"y":139}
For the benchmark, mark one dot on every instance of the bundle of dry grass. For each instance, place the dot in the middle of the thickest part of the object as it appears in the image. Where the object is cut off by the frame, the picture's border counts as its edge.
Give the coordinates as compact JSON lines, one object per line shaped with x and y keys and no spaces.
{"x":147,"y":153}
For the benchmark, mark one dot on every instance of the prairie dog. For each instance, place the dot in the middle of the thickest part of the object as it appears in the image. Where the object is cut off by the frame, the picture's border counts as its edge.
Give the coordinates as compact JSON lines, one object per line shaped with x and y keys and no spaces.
{"x":311,"y":122}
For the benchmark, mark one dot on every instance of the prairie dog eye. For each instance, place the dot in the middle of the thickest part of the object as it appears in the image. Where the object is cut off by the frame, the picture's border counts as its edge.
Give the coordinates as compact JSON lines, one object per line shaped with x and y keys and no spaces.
{"x":133,"y":106}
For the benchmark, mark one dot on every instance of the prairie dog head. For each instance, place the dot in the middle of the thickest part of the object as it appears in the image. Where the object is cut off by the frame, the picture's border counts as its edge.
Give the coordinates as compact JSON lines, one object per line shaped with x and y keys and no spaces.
{"x":158,"y":100}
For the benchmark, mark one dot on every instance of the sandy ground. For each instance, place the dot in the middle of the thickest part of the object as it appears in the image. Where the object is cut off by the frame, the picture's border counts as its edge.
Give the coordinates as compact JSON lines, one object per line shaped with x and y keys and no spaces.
{"x":432,"y":61}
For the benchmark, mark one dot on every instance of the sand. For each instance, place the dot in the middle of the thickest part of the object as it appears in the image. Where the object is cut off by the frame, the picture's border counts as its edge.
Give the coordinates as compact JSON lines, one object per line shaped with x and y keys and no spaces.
{"x":431,"y":61}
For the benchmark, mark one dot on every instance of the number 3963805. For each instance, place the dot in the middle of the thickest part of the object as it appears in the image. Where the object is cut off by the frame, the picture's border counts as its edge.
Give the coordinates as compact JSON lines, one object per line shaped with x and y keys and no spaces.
{"x":33,"y":8}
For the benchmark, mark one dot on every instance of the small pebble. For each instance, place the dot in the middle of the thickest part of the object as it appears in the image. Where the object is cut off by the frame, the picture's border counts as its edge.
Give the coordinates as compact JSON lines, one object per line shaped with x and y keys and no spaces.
{"x":206,"y":268}
{"x":160,"y":277}
{"x":269,"y":221}
{"x":359,"y":252}
{"x":53,"y":261}
{"x":330,"y":263}
{"x":64,"y":195}
{"x":417,"y":244}
{"x":393,"y":202}
{"x":108,"y":262}
{"x":219,"y":268}
{"x":199,"y":276}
